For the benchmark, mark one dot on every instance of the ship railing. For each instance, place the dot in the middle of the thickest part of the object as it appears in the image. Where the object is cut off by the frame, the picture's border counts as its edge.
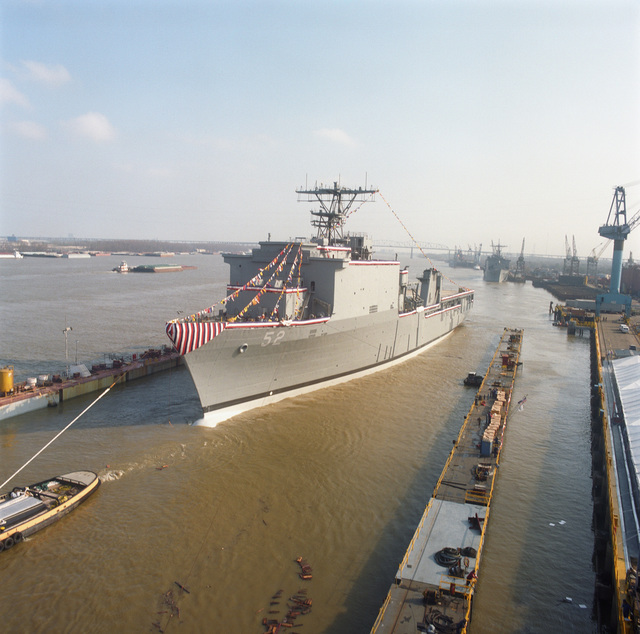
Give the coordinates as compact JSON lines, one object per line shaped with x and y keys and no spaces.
{"x":205,"y":318}
{"x":381,"y":613}
{"x":412,"y":543}
{"x":323,"y":307}
{"x":459,"y":584}
{"x":305,"y":305}
{"x":433,"y":309}
{"x":457,"y":296}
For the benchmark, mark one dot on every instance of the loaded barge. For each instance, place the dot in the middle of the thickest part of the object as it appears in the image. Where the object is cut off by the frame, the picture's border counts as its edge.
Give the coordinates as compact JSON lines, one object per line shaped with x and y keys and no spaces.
{"x":47,"y":391}
{"x":435,"y":583}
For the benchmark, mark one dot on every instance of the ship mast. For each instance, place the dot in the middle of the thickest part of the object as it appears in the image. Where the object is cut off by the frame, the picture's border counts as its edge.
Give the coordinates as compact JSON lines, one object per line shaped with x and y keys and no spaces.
{"x":335,"y":203}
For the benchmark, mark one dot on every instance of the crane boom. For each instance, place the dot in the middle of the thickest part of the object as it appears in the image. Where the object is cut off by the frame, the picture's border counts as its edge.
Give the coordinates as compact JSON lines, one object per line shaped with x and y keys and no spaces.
{"x":616,"y":227}
{"x":635,"y":219}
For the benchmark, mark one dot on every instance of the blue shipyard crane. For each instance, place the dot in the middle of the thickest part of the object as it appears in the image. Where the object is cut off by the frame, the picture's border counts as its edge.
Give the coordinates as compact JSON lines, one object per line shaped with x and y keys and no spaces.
{"x":617,"y":228}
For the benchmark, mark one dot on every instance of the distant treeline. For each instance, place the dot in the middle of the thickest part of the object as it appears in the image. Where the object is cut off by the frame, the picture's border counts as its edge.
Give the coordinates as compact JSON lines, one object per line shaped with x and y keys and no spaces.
{"x":128,"y":246}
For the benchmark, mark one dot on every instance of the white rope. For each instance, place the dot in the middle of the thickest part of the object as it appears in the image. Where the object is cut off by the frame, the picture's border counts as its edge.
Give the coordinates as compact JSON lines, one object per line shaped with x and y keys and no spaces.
{"x":57,"y":435}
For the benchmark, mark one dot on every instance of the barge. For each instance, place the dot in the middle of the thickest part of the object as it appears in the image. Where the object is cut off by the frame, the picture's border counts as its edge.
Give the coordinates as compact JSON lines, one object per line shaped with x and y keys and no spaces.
{"x":434,"y":587}
{"x":35,"y":394}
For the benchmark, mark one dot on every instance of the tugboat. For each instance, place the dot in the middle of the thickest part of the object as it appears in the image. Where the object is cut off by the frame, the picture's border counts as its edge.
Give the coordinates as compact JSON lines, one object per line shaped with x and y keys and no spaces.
{"x":26,"y":510}
{"x":122,"y":267}
{"x":473,"y":379}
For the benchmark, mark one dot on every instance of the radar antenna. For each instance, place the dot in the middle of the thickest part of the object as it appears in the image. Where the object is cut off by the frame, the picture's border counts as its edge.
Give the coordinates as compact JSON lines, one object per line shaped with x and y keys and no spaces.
{"x":335,"y":205}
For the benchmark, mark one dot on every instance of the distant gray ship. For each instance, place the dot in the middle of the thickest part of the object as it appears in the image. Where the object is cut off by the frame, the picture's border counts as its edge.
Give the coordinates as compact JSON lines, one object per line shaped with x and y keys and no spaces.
{"x":466,"y":260}
{"x":496,"y":266}
{"x":302,"y":315}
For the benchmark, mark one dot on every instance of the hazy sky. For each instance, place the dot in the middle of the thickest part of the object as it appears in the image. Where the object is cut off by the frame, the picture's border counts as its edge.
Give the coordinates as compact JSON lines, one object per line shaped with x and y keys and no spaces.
{"x":197,"y":120}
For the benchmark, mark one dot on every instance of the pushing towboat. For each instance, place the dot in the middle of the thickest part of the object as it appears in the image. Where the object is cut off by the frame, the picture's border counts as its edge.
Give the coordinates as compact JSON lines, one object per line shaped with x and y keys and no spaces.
{"x":306,"y":314}
{"x":26,"y":510}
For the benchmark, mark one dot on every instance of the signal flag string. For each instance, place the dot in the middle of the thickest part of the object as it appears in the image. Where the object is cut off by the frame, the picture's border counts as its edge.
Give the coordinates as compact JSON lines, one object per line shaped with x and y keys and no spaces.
{"x":232,"y":296}
{"x":416,"y":242}
{"x":371,"y":195}
{"x":263,"y":290}
{"x":287,"y":284}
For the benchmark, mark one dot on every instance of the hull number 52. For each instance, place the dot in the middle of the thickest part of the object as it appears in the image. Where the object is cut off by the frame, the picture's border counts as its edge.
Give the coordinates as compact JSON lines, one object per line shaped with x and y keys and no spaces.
{"x":271,"y":338}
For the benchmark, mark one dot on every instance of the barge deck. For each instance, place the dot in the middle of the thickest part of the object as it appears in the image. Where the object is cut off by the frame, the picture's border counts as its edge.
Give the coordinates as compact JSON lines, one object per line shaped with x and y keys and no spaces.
{"x":435,"y":582}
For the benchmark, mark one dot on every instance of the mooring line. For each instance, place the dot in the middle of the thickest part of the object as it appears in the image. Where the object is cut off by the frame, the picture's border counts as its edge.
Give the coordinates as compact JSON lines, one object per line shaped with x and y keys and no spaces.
{"x":59,"y":433}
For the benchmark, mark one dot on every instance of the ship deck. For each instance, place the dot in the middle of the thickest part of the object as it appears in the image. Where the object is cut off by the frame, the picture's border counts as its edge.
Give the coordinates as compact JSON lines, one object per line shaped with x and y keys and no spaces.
{"x":424,"y":592}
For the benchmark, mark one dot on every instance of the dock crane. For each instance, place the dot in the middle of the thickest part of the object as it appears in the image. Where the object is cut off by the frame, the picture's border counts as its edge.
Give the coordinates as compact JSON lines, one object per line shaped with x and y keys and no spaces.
{"x":571,"y":264}
{"x":477,"y":255}
{"x":617,"y":228}
{"x":592,"y":259}
{"x":519,"y":272}
{"x":575,"y":261}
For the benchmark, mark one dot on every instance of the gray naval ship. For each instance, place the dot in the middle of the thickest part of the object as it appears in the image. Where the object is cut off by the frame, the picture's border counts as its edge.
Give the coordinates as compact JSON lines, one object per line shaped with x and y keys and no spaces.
{"x":496,"y":266}
{"x":307,"y":314}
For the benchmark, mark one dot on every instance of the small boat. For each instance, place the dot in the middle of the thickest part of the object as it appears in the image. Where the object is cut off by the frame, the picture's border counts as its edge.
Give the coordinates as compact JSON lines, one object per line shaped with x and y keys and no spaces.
{"x":123,"y":267}
{"x":26,"y":510}
{"x":474,"y":380}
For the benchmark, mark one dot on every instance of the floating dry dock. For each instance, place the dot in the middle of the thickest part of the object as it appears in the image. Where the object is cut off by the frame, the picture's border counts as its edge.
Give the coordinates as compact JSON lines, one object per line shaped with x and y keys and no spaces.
{"x":435,"y":582}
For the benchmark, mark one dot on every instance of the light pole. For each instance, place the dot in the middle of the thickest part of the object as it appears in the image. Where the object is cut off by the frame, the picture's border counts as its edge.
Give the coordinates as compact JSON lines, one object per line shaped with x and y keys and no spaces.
{"x":66,"y":347}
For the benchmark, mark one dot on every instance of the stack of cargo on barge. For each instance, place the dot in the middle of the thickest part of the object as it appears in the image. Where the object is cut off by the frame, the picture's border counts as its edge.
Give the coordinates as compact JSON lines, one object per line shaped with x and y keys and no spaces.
{"x":435,"y":582}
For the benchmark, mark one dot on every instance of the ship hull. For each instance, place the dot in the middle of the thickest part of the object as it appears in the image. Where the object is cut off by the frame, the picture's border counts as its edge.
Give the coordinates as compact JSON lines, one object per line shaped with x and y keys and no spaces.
{"x":495,"y":275}
{"x":249,"y":365}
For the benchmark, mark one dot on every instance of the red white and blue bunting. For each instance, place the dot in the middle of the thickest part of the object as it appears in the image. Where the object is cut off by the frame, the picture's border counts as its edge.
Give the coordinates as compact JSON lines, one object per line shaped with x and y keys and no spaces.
{"x":188,"y":336}
{"x":191,"y":332}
